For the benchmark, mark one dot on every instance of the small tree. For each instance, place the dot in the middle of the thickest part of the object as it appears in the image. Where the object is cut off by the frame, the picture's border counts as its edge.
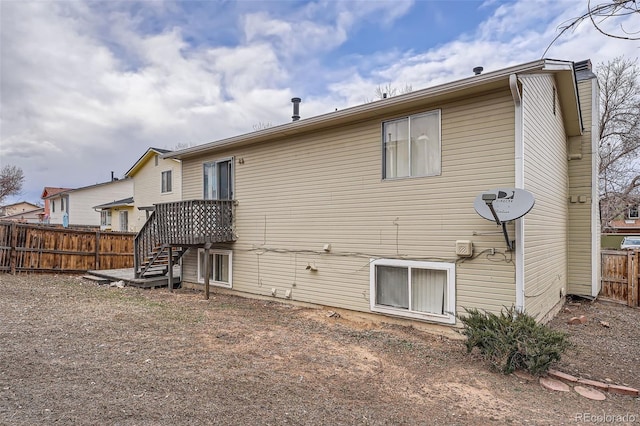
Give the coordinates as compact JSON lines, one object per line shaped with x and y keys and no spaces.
{"x":387,"y":91}
{"x":619,"y":150}
{"x":11,"y":180}
{"x":261,"y":125}
{"x":599,"y":13}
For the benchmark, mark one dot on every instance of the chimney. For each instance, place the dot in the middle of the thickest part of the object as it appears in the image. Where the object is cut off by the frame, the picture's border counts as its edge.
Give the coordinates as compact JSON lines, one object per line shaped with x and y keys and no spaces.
{"x":582,"y":65}
{"x":296,"y":109}
{"x":478,"y":70}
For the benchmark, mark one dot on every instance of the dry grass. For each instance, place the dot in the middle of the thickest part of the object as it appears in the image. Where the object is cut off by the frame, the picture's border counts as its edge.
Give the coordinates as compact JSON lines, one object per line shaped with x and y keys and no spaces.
{"x":72,"y":352}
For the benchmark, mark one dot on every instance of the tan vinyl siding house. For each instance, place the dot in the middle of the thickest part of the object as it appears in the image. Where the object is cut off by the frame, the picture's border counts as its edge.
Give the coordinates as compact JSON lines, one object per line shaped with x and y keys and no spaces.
{"x":155,"y":180}
{"x":546,"y":176}
{"x":584,"y":223}
{"x":324,"y":214}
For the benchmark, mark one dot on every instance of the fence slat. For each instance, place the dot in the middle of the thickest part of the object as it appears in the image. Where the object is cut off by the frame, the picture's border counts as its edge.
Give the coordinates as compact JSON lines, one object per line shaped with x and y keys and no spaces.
{"x":620,"y":276}
{"x":41,"y":248}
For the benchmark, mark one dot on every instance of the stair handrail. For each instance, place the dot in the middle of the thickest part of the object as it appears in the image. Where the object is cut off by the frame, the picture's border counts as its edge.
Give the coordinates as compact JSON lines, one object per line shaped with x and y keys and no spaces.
{"x":144,"y":242}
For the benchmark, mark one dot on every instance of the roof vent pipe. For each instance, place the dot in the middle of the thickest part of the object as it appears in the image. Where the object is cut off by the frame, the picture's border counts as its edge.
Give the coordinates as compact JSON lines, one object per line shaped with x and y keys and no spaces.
{"x":478,"y":70}
{"x":296,"y":109}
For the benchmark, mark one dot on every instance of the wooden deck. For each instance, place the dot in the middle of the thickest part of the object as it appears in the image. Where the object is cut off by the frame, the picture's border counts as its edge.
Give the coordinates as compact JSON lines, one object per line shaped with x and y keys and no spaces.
{"x":127,"y":275}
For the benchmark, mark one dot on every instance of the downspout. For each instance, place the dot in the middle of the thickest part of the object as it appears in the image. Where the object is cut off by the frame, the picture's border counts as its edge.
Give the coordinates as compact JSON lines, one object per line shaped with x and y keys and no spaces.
{"x":595,"y":190}
{"x":519,"y":182}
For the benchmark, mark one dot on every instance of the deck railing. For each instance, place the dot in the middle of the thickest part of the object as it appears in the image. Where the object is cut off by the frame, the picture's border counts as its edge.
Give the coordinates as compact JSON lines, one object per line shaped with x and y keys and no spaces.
{"x":184,"y":224}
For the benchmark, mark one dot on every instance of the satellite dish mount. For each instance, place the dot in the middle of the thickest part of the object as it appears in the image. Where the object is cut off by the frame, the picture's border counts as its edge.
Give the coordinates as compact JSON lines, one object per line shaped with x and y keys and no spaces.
{"x":503,"y":205}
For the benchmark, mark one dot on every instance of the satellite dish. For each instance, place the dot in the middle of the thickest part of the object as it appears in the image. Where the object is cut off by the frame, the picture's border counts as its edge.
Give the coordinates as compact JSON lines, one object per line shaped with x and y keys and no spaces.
{"x":508,"y":204}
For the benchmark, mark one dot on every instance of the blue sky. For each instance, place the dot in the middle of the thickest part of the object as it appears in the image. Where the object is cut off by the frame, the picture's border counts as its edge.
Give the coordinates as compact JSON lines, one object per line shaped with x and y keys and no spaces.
{"x":87,"y":87}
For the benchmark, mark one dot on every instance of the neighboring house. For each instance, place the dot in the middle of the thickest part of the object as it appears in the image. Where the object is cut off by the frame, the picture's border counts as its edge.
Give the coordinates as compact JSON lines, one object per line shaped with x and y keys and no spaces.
{"x":363,"y":208}
{"x":17,"y":208}
{"x":47,"y":192}
{"x":116,"y":215}
{"x":628,"y":222}
{"x":155,"y":180}
{"x":78,"y":204}
{"x":30,"y":216}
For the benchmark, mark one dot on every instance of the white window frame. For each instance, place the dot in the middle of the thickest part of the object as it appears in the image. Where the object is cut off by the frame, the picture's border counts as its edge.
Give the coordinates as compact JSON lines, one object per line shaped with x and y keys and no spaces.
{"x":634,"y":212}
{"x":449,"y":317}
{"x":105,"y":218}
{"x":166,"y":182}
{"x":412,"y":174}
{"x":209,"y":195}
{"x":212,"y":281}
{"x":124,"y":224}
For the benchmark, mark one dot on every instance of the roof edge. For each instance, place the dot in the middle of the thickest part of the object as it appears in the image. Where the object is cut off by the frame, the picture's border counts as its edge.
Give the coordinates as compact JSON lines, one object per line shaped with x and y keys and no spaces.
{"x":360,"y":111}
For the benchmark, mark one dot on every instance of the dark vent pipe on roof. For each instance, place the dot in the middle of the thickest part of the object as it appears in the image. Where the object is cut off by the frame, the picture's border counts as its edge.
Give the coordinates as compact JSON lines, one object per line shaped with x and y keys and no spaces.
{"x":478,"y":70}
{"x":296,"y":109}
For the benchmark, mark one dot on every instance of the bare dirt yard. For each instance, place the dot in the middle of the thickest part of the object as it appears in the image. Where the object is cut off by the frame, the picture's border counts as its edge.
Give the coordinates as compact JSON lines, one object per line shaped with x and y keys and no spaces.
{"x":73,"y":352}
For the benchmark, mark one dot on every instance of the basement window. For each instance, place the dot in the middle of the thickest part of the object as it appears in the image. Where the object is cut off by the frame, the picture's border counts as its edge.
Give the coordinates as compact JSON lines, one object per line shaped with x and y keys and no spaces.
{"x":413,"y":289}
{"x":220,"y":261}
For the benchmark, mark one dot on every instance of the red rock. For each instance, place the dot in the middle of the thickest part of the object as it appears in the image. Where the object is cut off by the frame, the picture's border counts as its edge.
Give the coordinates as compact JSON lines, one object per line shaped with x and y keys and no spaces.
{"x":562,"y":376}
{"x":523,"y":375}
{"x":582,"y":319}
{"x":595,"y":384}
{"x":574,"y":321}
{"x":553,"y":384}
{"x":590,"y":393}
{"x":624,"y":390}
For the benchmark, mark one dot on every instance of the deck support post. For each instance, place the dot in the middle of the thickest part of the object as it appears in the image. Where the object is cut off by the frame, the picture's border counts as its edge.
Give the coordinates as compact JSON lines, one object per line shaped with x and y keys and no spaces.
{"x":207,"y":270}
{"x":170,"y":272}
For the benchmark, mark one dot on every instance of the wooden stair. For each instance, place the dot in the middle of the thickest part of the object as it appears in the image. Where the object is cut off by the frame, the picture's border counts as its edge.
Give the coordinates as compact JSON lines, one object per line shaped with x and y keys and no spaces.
{"x":156,"y":263}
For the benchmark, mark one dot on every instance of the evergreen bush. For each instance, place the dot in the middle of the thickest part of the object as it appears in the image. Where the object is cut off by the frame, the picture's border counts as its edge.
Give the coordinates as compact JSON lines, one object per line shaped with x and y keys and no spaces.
{"x":512,"y":340}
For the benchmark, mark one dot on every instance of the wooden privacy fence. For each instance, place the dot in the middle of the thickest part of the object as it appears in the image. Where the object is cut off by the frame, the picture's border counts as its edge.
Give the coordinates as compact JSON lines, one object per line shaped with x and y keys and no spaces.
{"x":620,"y":276}
{"x":38,"y":248}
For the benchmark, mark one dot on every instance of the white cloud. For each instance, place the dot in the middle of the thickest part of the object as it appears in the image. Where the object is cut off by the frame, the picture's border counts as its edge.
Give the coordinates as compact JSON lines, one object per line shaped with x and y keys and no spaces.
{"x":87,"y":87}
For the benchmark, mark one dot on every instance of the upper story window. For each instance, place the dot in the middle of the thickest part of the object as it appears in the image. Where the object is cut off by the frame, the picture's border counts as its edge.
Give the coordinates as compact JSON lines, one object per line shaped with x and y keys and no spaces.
{"x":411,"y":146}
{"x":634,"y":212}
{"x":166,"y":181}
{"x":218,"y":180}
{"x":53,"y":206}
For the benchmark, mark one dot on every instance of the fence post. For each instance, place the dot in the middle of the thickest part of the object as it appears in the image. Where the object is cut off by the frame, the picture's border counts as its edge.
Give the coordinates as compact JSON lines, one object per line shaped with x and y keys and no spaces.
{"x":634,"y":278}
{"x":13,"y":252}
{"x":97,"y":262}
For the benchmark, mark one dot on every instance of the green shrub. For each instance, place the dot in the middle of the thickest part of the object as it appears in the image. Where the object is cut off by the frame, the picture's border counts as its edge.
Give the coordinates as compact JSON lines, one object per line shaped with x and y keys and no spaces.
{"x":512,"y":340}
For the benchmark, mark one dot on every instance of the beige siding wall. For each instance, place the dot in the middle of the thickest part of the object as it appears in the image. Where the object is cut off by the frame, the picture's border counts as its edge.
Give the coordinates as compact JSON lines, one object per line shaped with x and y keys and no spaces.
{"x":82,"y":200}
{"x":147,"y":183}
{"x":116,"y":223}
{"x":546,"y":176}
{"x":581,"y":209}
{"x":295,"y":195}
